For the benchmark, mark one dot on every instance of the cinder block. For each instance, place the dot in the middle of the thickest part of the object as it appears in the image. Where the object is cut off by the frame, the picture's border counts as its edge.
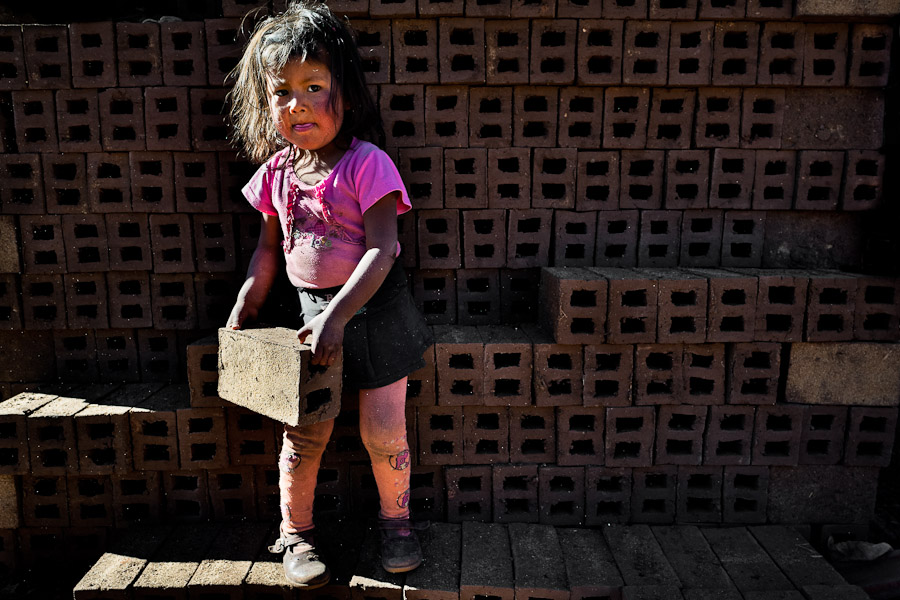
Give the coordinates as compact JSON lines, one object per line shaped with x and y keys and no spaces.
{"x":515,"y":494}
{"x":732,"y":173}
{"x":173,"y":302}
{"x":122,"y":118}
{"x":870,"y":51}
{"x":508,"y":366}
{"x":10,"y":313}
{"x":332,"y":494}
{"x":214,"y":293}
{"x":754,"y":373}
{"x":745,"y":494}
{"x":508,"y":178}
{"x":485,"y":437}
{"x":597,"y":180}
{"x":478,"y":296}
{"x":659,"y":242}
{"x":459,"y":358}
{"x":518,"y":295}
{"x":625,"y":9}
{"x":153,"y":430}
{"x":528,"y":238}
{"x":687,"y":178}
{"x":421,"y":385}
{"x":234,"y":172}
{"x":579,"y":435}
{"x":43,"y":302}
{"x":535,"y":113}
{"x":830,"y":306}
{"x":822,"y":494}
{"x":139,"y":55}
{"x":47,"y":56}
{"x":21,"y":191}
{"x":208,"y":129}
{"x":203,"y":373}
{"x":699,"y":498}
{"x":718,"y":122}
{"x":608,"y":495}
{"x":813,"y":123}
{"x":196,"y":182}
{"x":201,"y":438}
{"x":743,"y":236}
{"x":608,"y":374}
{"x":214,"y":239}
{"x":825,"y":54}
{"x":542,"y":9}
{"x":822,"y":435}
{"x":769,"y":9}
{"x":224,"y":46}
{"x":446,"y":112}
{"x":877,"y":309}
{"x":532,"y":435}
{"x":35,"y":121}
{"x":167,"y":117}
{"x":646,"y":62}
{"x":846,"y":374}
{"x":819,"y":177}
{"x":86,"y":243}
{"x":773,"y":186}
{"x":117,"y":355}
{"x":863,"y":181}
{"x":558,"y":370}
{"x":78,"y":120}
{"x":658,"y":374}
{"x":232,"y":494}
{"x":187,"y":500}
{"x":434,"y":291}
{"x":554,"y":178}
{"x":487,"y":564}
{"x":43,"y":245}
{"x":129,"y":299}
{"x":553,"y":44}
{"x":776,"y":438}
{"x":580,"y":112}
{"x":690,"y":52}
{"x":172,"y":244}
{"x":183,"y":53}
{"x":781,"y":305}
{"x":704,"y":374}
{"x":763,"y":118}
{"x":732,"y":305}
{"x":641,"y":180}
{"x":44,"y":501}
{"x":90,"y":501}
{"x":373,"y":42}
{"x":599,"y":51}
{"x":629,"y":436}
{"x":701,"y":238}
{"x":632,"y":306}
{"x":870,"y":436}
{"x":462,"y":58}
{"x":729,"y":435}
{"x":440,"y":435}
{"x":51,"y":431}
{"x":679,"y":435}
{"x":14,"y":412}
{"x":682,"y":306}
{"x":465,"y":178}
{"x":65,"y":183}
{"x":625,"y":117}
{"x":781,"y":53}
{"x":468,"y":493}
{"x":160,"y":358}
{"x":108,"y":182}
{"x":506,"y":50}
{"x":136,"y":497}
{"x":735,"y":53}
{"x":415,"y":46}
{"x":617,"y":238}
{"x":439,"y":245}
{"x":430,"y":8}
{"x":562,"y":496}
{"x":654,"y":494}
{"x":13,"y":58}
{"x":573,"y":305}
{"x":76,"y":355}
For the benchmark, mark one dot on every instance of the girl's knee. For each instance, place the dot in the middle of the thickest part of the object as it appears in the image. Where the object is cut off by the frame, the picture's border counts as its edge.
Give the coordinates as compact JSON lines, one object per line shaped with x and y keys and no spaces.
{"x":394,"y":447}
{"x":308,"y":438}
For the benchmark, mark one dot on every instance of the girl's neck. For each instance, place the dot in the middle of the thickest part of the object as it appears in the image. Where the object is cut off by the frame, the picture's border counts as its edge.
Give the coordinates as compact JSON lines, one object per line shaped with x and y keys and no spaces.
{"x":312,"y":166}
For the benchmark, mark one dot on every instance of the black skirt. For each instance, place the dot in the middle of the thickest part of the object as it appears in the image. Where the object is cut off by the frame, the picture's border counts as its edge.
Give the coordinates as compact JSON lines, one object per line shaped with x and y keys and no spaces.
{"x":384,"y":341}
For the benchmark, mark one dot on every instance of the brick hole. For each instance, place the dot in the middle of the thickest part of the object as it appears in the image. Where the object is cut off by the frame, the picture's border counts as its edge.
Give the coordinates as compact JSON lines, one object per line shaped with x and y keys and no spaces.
{"x":753,"y":387}
{"x":733,"y":165}
{"x":415,"y":38}
{"x":818,"y":447}
{"x":504,"y":360}
{"x":865,"y":193}
{"x":576,"y":228}
{"x":732,"y":448}
{"x":166,"y":131}
{"x":201,"y":452}
{"x":659,"y":227}
{"x":776,"y":449}
{"x":515,"y":506}
{"x":874,"y":44}
{"x":597,"y":192}
{"x":877,"y":322}
{"x":532,"y":422}
{"x":533,"y":447}
{"x":645,"y":66}
{"x":583,"y":298}
{"x":599,"y":65}
{"x":462,"y":62}
{"x":632,"y":325}
{"x":718,"y":130}
{"x":873,"y":424}
{"x":625,"y":104}
{"x":629,"y":424}
{"x":478,"y":285}
{"x":582,"y":326}
{"x":562,"y":387}
{"x":682,"y":422}
{"x":441,"y":423}
{"x":830,"y":295}
{"x":121,"y":107}
{"x":623,"y":130}
{"x":732,"y":423}
{"x":229,"y":481}
{"x":698,"y":386}
{"x":821,"y":168}
{"x":782,"y":294}
{"x":553,"y":39}
{"x":735,"y":39}
{"x":461,"y":361}
{"x":779,"y":423}
{"x":608,"y":362}
{"x":690,"y":40}
{"x":782,"y":66}
{"x":668,"y":132}
{"x":200,"y":425}
{"x":627,"y":450}
{"x":437,"y":226}
{"x":703,"y":225}
{"x":701,"y":361}
{"x":646,"y":39}
{"x":698,"y":249}
{"x":529,"y":225}
{"x":742,"y":226}
{"x":734,"y":66}
{"x":185,"y":482}
{"x":517,"y":483}
{"x":432,"y":284}
{"x":42,"y":289}
{"x":470,"y":484}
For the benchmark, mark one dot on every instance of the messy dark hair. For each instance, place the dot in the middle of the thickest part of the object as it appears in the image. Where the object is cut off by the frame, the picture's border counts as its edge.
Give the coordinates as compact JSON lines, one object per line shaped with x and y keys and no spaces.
{"x":310,"y":31}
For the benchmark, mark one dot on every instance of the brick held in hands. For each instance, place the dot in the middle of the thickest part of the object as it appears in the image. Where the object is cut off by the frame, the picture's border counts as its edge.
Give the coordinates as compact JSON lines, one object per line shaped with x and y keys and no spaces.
{"x":78,"y":121}
{"x":679,"y":435}
{"x":830,"y":306}
{"x":735,"y":49}
{"x":490,"y":124}
{"x":870,"y":436}
{"x":440,"y":435}
{"x":629,"y":436}
{"x":654,"y":495}
{"x":43,"y":302}
{"x":509,"y":178}
{"x":822,"y":435}
{"x":682,"y":305}
{"x":532,"y":434}
{"x":773,"y":185}
{"x":298,"y":392}
{"x":415,"y":44}
{"x":421,"y":385}
{"x":35,"y":121}
{"x":599,"y":51}
{"x":699,"y":497}
{"x":776,"y":438}
{"x":508,"y":366}
{"x":12,"y":57}
{"x":646,"y":61}
{"x":47,"y":56}
{"x":434,"y":291}
{"x":553,"y":44}
{"x":659,"y":240}
{"x":484,"y":238}
{"x":658,"y":374}
{"x":528,"y":238}
{"x":553,"y":173}
{"x":422,"y":171}
{"x":641,"y":179}
{"x":608,"y":495}
{"x":465,"y":178}
{"x":515,"y":494}
{"x":45,"y":501}
{"x":690,"y":52}
{"x":478,"y":296}
{"x":65,"y":183}
{"x":597,"y":177}
{"x":877,"y":308}
{"x":870,"y":55}
{"x":14,"y":412}
{"x":446,"y":117}
{"x":825,"y":54}
{"x":518,"y":295}
{"x":208,"y":109}
{"x":183,"y":53}
{"x":819,"y":177}
{"x":701,"y":238}
{"x":579,"y":435}
{"x":625,"y":117}
{"x":108,"y":182}
{"x":485,"y":437}
{"x":122,"y":119}
{"x":632,"y":305}
{"x":617,"y":238}
{"x":86,"y":243}
{"x":608,"y":374}
{"x":10,"y":313}
{"x":573,"y":305}
{"x":76,"y":355}
{"x":558,"y":370}
{"x":462,"y":51}
{"x":459,"y":357}
{"x":167,"y":120}
{"x":535,"y":114}
{"x":43,"y":245}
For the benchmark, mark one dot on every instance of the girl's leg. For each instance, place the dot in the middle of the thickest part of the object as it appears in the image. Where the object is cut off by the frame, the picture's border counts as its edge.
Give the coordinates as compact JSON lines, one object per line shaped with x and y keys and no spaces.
{"x":382,"y":427}
{"x":301,"y":454}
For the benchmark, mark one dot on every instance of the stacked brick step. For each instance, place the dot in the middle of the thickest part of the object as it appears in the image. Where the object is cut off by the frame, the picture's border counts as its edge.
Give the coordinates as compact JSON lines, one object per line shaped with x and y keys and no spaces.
{"x":473,"y":560}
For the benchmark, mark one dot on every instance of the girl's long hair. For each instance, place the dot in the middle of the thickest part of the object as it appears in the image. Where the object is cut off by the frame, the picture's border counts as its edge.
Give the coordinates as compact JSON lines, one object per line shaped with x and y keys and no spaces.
{"x":306,"y":30}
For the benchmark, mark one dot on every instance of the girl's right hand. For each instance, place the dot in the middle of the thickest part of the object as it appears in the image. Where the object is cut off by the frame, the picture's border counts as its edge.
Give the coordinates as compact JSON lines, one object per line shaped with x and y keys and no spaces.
{"x":240,"y":314}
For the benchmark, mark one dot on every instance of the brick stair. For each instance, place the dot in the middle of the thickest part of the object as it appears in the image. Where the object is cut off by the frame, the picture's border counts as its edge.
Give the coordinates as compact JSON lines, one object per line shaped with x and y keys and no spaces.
{"x":473,"y":561}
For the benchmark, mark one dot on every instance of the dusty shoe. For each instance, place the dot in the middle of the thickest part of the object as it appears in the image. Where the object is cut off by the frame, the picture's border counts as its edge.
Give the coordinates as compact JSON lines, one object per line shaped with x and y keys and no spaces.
{"x":400,"y":550}
{"x":302,"y":566}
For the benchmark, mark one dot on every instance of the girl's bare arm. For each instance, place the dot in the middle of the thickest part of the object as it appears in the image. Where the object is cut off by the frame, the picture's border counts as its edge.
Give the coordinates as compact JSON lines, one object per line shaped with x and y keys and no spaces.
{"x":261,"y":273}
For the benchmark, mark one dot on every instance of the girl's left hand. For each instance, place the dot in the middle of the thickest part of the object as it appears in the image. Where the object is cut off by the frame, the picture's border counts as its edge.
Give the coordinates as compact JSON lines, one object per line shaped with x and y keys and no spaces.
{"x":326,"y":333}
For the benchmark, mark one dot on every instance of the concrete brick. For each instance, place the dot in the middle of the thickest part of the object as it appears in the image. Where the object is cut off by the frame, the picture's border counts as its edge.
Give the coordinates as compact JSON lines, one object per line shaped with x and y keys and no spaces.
{"x":234,"y":172}
{"x":51,"y":431}
{"x":440,"y":435}
{"x":76,"y":355}
{"x":659,"y":242}
{"x":203,"y":372}
{"x":743,"y":236}
{"x":153,"y":430}
{"x":802,"y":565}
{"x":580,"y":435}
{"x":754,"y":373}
{"x":679,"y":435}
{"x":553,"y":175}
{"x":136,"y":497}
{"x":553,"y":44}
{"x":13,"y":59}
{"x":646,"y":62}
{"x":208,"y":129}
{"x":535,"y":113}
{"x":186,"y":496}
{"x":732,"y":174}
{"x":819,"y":176}
{"x":439,"y":245}
{"x":65,"y":183}
{"x":629,"y":436}
{"x":518,"y":295}
{"x":863,"y":181}
{"x":122,"y":119}
{"x":129,"y":242}
{"x":705,"y":373}
{"x":441,"y":547}
{"x":43,"y":302}
{"x":421,"y":384}
{"x":658,"y":374}
{"x":690,"y":52}
{"x":558,"y":370}
{"x":167,"y":119}
{"x":214,"y":238}
{"x":10,"y":292}
{"x":639,"y":556}
{"x":822,"y":494}
{"x":78,"y":121}
{"x":90,"y":501}
{"x":202,"y":441}
{"x":415,"y":44}
{"x":528,"y":238}
{"x":446,"y":109}
{"x":43,"y":244}
{"x":608,"y":495}
{"x":870,"y":436}
{"x":781,"y":53}
{"x":745,"y":494}
{"x":35,"y":121}
{"x":608,"y":375}
{"x":699,"y":498}
{"x":117,"y":354}
{"x":813,"y":124}
{"x":43,"y":504}
{"x":468,"y":493}
{"x":196,"y":182}
{"x":762,"y":9}
{"x":830,"y":306}
{"x":576,"y":301}
{"x":776,"y":438}
{"x":829,"y":239}
{"x":687,"y":179}
{"x":692,"y":559}
{"x":434,"y":291}
{"x":763,"y":118}
{"x":509,"y":177}
{"x":459,"y":358}
{"x":632,"y":306}
{"x":825,"y":54}
{"x":224,"y":46}
{"x":171,"y":242}
{"x":47,"y":56}
{"x":590,"y":565}
{"x":21,"y":190}
{"x":780,"y":305}
{"x":701,"y":238}
{"x":625,"y":117}
{"x":682,"y":302}
{"x":487,"y":564}
{"x":465,"y":178}
{"x":600,"y":52}
{"x":374,"y":46}
{"x":183,"y":52}
{"x":747,"y":564}
{"x":462,"y":51}
{"x":773,"y":185}
{"x":718,"y":118}
{"x":129,"y":299}
{"x":597,"y":180}
{"x":532,"y":435}
{"x":139,"y":54}
{"x":580,"y":111}
{"x":625,"y":9}
{"x":877,"y":309}
{"x":485,"y":436}
{"x":160,"y":354}
{"x":86,"y":243}
{"x":822,"y":435}
{"x":617,"y":243}
{"x":515,"y":494}
{"x":232,"y":494}
{"x":574,"y":237}
{"x":870,"y":51}
{"x":561,"y":495}
{"x":508,"y":366}
{"x":641,"y":179}
{"x":532,"y":568}
{"x":152,"y":181}
{"x":506,"y":57}
{"x":728,"y":436}
{"x":108,"y":182}
{"x":214,"y":292}
{"x":735,"y":50}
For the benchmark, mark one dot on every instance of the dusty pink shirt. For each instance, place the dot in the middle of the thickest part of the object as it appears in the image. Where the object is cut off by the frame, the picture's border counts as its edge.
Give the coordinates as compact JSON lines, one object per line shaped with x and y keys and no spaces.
{"x":325,"y":238}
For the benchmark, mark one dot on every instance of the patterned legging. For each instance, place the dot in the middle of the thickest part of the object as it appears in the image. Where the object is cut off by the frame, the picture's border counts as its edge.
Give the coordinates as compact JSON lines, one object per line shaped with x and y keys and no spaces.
{"x":382,"y":427}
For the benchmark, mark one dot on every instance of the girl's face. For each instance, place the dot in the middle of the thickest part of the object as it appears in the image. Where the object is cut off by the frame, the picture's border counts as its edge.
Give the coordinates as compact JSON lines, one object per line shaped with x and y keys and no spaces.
{"x":300,"y":102}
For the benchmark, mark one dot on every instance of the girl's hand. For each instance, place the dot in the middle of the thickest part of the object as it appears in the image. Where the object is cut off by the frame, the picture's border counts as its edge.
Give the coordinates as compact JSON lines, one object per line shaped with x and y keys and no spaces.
{"x":326,"y":333}
{"x":241,"y":314}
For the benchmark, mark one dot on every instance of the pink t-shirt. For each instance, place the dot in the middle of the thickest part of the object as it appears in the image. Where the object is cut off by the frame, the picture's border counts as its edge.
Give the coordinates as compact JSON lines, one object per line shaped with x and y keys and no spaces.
{"x":325,"y":238}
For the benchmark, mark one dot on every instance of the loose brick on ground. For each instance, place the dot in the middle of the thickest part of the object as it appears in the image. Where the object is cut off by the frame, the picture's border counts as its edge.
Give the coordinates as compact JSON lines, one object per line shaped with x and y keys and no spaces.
{"x":230,"y":559}
{"x":535,"y":550}
{"x":487,"y":563}
{"x":691,"y":557}
{"x":747,"y":564}
{"x":440,"y":579}
{"x":795,"y":556}
{"x":639,"y":556}
{"x":590,"y":567}
{"x":176,"y":561}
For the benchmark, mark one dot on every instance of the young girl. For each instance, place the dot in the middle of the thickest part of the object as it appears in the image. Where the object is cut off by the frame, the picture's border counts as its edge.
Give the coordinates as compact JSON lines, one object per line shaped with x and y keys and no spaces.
{"x":301,"y":107}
